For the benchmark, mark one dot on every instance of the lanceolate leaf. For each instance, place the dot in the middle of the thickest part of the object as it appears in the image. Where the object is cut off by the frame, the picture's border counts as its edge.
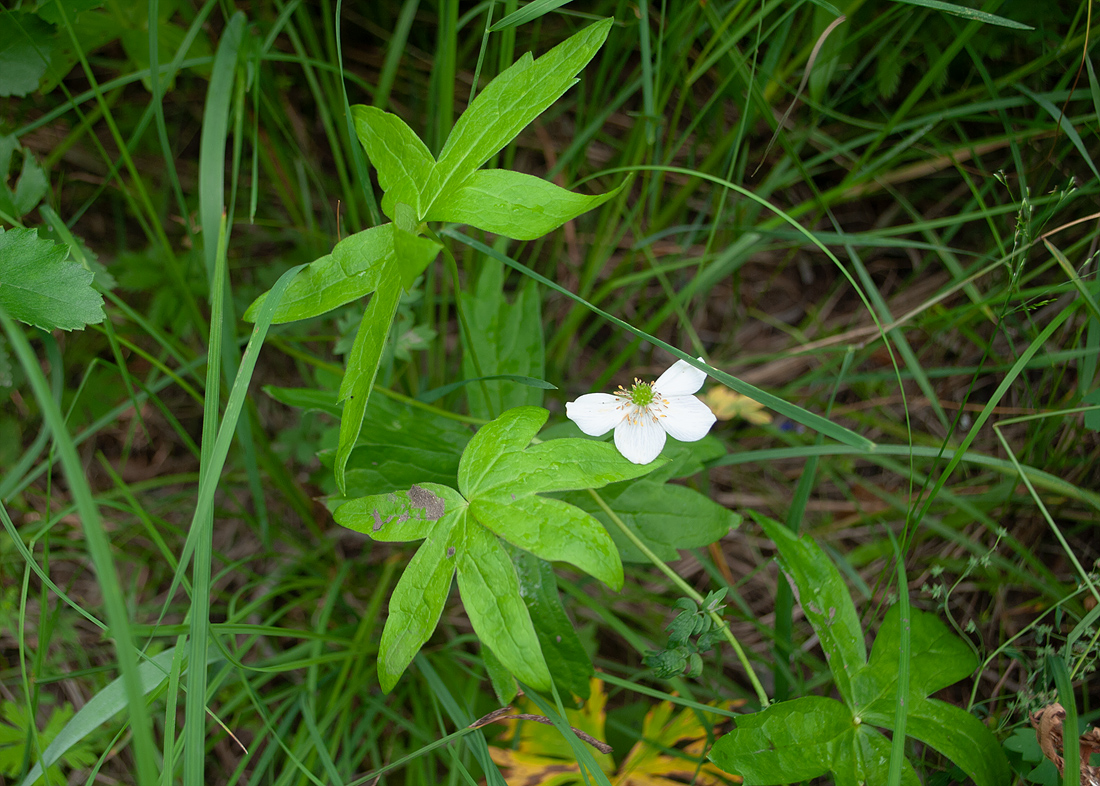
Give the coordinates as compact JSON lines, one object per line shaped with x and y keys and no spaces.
{"x":402,"y":161}
{"x":825,"y":600}
{"x":363,"y":361}
{"x":490,"y":592}
{"x":39,"y":285}
{"x":519,"y":206}
{"x":507,"y":105}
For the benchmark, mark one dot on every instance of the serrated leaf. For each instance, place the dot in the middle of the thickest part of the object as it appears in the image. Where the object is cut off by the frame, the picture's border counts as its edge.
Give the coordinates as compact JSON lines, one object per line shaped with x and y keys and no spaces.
{"x":506,"y":106}
{"x":41,"y":287}
{"x":824,"y":598}
{"x":562,"y":465}
{"x":566,"y":657}
{"x":417,"y":600}
{"x":512,"y":204}
{"x":401,"y":159}
{"x":489,"y":587}
{"x":25,"y":45}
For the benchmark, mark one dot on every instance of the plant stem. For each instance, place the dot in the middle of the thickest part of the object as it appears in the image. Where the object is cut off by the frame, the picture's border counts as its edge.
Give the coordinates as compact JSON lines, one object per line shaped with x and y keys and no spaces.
{"x":690,"y":592}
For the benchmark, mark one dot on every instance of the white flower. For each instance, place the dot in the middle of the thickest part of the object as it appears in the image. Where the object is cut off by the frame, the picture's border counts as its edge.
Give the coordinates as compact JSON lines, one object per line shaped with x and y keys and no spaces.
{"x":643,"y":415}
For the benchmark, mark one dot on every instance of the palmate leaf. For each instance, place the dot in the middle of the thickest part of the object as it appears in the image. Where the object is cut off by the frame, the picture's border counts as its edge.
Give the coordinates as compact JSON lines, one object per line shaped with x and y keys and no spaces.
{"x":814,"y":735}
{"x":499,"y":478}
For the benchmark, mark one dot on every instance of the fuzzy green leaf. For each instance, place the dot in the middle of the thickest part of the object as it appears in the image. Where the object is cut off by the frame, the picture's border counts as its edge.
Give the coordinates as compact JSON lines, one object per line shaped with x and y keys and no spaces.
{"x":39,"y":285}
{"x":402,"y":515}
{"x":510,"y":433}
{"x":552,"y":530}
{"x":513,"y":204}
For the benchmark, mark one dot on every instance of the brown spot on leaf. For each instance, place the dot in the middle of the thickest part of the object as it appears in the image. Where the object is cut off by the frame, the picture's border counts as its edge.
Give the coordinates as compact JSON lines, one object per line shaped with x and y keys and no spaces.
{"x":377,"y":520}
{"x":432,"y":504}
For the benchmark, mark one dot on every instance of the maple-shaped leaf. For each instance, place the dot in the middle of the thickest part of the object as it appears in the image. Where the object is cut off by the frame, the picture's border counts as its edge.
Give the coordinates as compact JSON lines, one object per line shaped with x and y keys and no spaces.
{"x":669,"y":750}
{"x":500,"y":481}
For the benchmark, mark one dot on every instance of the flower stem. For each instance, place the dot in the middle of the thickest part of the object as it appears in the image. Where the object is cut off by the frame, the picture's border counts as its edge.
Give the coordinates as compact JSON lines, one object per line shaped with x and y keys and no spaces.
{"x":689,"y":591}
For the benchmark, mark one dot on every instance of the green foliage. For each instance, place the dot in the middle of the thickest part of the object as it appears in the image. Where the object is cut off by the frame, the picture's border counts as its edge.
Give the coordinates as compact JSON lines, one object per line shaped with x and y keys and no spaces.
{"x":42,"y":287}
{"x":682,"y":655}
{"x":30,"y":187}
{"x":810,"y":736}
{"x":16,"y":736}
{"x":419,"y":188}
{"x":500,"y":482}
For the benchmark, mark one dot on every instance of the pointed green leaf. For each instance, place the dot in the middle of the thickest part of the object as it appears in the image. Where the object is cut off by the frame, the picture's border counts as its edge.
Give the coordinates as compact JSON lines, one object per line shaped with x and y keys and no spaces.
{"x":552,"y":530}
{"x":401,"y":515}
{"x":563,"y":465}
{"x":786,"y":743}
{"x":805,"y":738}
{"x":402,"y":161}
{"x":510,"y":433}
{"x":507,"y":105}
{"x":39,"y":285}
{"x":960,"y":737}
{"x":418,"y":599}
{"x":363,"y":361}
{"x":489,"y":587}
{"x":566,"y":657}
{"x":938,"y":657}
{"x":824,"y":598}
{"x":351,"y":271}
{"x":519,"y":206}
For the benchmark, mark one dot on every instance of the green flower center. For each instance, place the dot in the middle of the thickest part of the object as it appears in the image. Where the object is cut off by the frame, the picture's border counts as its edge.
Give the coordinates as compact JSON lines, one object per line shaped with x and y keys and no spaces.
{"x":640,"y":394}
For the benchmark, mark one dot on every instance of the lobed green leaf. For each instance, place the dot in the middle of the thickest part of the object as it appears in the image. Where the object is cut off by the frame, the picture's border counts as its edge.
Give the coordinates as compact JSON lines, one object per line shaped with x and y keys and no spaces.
{"x":402,"y":515}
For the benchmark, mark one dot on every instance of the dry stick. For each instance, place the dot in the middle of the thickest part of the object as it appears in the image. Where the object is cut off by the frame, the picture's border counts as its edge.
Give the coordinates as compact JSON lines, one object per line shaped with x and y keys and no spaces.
{"x":690,"y":592}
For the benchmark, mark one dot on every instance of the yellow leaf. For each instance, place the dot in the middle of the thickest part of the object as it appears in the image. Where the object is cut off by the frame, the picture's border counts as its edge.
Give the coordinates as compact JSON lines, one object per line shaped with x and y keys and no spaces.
{"x":541,"y":757}
{"x":726,"y":405}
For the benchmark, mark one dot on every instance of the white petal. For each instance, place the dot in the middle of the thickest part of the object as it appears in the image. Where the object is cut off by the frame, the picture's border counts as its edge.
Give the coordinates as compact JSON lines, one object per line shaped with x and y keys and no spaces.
{"x":681,"y":379}
{"x":596,"y":413}
{"x":687,"y":419}
{"x":641,"y":441}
